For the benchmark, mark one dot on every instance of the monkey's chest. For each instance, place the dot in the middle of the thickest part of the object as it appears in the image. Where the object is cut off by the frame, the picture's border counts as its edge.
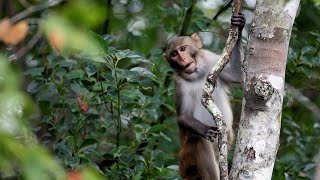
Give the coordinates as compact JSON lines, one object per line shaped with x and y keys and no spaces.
{"x":203,"y":115}
{"x":192,"y":99}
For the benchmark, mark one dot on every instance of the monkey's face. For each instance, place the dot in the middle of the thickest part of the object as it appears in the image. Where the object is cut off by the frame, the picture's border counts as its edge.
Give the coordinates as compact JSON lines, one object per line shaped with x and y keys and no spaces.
{"x":183,"y":59}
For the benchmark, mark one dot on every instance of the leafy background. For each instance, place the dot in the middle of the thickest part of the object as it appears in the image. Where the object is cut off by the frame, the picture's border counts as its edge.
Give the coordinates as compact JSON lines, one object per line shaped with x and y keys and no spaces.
{"x":86,"y":92}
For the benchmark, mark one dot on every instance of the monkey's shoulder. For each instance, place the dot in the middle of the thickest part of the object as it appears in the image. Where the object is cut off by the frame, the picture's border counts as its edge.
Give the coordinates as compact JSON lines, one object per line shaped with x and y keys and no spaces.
{"x":208,"y":56}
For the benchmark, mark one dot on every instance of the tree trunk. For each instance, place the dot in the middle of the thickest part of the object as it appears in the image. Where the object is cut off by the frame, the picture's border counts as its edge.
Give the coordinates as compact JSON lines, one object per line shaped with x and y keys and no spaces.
{"x":265,"y":63}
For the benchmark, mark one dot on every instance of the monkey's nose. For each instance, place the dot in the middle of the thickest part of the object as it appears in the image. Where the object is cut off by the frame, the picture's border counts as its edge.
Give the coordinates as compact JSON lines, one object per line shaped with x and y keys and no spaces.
{"x":182,"y":59}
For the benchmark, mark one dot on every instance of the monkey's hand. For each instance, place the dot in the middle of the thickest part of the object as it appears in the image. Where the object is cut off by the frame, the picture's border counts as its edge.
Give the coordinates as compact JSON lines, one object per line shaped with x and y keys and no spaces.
{"x":212,"y":133}
{"x":238,"y":20}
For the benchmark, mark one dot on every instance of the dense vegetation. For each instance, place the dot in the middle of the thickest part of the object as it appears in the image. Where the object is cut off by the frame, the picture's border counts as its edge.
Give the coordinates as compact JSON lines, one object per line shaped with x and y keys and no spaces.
{"x":86,"y":90}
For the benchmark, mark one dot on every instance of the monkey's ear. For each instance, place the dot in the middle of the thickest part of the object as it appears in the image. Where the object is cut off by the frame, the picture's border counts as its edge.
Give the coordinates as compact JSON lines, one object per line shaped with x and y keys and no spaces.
{"x":197,"y":40}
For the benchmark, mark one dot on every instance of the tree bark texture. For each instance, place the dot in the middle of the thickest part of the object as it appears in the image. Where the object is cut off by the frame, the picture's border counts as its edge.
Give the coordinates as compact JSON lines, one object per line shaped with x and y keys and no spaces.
{"x":264,"y":68}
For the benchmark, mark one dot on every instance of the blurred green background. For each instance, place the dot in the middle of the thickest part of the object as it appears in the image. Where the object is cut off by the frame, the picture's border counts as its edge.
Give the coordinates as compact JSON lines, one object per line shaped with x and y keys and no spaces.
{"x":87,"y":93}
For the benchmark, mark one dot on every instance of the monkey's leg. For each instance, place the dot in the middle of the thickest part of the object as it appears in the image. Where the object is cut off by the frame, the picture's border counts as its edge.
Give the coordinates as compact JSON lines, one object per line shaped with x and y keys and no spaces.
{"x":188,"y":166}
{"x":207,"y":163}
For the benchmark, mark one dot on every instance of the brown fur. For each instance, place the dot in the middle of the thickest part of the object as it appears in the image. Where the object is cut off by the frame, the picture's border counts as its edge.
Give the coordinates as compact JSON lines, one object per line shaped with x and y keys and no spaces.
{"x":197,"y":158}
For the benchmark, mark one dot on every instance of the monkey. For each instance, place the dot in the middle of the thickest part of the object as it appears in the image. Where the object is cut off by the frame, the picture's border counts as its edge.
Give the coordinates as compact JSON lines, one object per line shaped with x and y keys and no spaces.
{"x":191,"y":64}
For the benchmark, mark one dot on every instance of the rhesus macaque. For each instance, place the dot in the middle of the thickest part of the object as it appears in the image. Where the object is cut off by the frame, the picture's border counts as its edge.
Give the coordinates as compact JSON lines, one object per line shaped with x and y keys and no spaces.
{"x":197,"y":128}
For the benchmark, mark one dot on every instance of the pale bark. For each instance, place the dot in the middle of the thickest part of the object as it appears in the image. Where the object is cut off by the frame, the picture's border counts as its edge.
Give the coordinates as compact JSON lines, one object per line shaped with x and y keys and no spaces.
{"x":265,"y":63}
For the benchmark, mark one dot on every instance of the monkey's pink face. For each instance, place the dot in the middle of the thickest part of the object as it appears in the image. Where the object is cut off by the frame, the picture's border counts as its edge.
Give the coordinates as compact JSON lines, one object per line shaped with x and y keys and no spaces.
{"x":184,"y":58}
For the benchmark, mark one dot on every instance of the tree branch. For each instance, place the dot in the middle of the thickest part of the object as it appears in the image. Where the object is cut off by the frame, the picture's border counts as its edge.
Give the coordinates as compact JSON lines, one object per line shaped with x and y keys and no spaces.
{"x":224,"y":7}
{"x":303,"y":100}
{"x":187,"y":20}
{"x":33,"y":9}
{"x":24,"y":50}
{"x":208,"y":101}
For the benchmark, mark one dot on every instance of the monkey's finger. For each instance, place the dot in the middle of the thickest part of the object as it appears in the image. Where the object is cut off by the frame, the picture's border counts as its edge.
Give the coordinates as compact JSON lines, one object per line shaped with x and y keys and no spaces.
{"x":209,"y":135}
{"x":238,"y":15}
{"x":210,"y":138}
{"x":214,"y":128}
{"x":239,"y":24}
{"x":212,"y":133}
{"x":238,"y":19}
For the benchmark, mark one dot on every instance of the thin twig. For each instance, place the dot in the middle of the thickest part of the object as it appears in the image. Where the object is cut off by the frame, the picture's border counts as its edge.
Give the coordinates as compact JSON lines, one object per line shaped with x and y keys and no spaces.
{"x":208,"y":101}
{"x":187,"y":20}
{"x":24,"y":50}
{"x":119,"y":128}
{"x":303,"y":100}
{"x":33,"y":9}
{"x":24,"y":3}
{"x":224,"y":7}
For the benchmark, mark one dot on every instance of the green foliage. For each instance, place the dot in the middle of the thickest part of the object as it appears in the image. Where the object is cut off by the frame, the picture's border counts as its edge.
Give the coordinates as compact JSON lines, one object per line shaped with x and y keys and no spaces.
{"x":102,"y":94}
{"x":103,"y":111}
{"x":84,"y":13}
{"x":18,"y":151}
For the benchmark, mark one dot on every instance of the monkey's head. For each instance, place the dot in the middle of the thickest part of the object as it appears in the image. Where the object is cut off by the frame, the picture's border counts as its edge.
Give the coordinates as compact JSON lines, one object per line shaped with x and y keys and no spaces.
{"x":182,"y":52}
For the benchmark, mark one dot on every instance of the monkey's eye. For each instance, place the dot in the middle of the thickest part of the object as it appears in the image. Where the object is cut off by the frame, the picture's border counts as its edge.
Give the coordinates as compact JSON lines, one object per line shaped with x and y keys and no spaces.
{"x":174,"y":54}
{"x":183,"y":48}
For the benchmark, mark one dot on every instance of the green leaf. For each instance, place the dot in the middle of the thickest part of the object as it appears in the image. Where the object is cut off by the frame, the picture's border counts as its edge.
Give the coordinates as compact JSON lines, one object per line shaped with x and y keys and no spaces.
{"x":139,"y":158}
{"x":60,"y":72}
{"x":90,"y":68}
{"x":138,"y":176}
{"x":35,"y":71}
{"x":63,"y":148}
{"x":102,"y":44}
{"x":128,"y":75}
{"x":152,"y":113}
{"x":165,"y":137}
{"x":158,"y":165}
{"x":186,"y":3}
{"x":108,"y":38}
{"x":173,"y":167}
{"x":139,"y":132}
{"x":67,"y":63}
{"x":33,"y":87}
{"x":75,"y":74}
{"x":49,"y":92}
{"x":99,"y":59}
{"x":143,"y":72}
{"x":45,"y":107}
{"x":79,"y":90}
{"x":97,"y":87}
{"x":156,"y":128}
{"x":137,"y":59}
{"x":73,"y":161}
{"x":309,"y":167}
{"x":132,"y":95}
{"x":121,"y":54}
{"x":88,"y":142}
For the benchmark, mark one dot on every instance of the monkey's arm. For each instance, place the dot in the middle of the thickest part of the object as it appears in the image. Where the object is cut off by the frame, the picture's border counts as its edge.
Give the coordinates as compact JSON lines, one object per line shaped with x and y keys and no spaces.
{"x":196,"y":127}
{"x":232,"y":72}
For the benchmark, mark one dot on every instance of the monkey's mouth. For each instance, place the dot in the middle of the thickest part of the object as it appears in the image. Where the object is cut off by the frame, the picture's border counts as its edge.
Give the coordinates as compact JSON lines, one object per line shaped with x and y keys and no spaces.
{"x":190,"y":68}
{"x":188,"y":65}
